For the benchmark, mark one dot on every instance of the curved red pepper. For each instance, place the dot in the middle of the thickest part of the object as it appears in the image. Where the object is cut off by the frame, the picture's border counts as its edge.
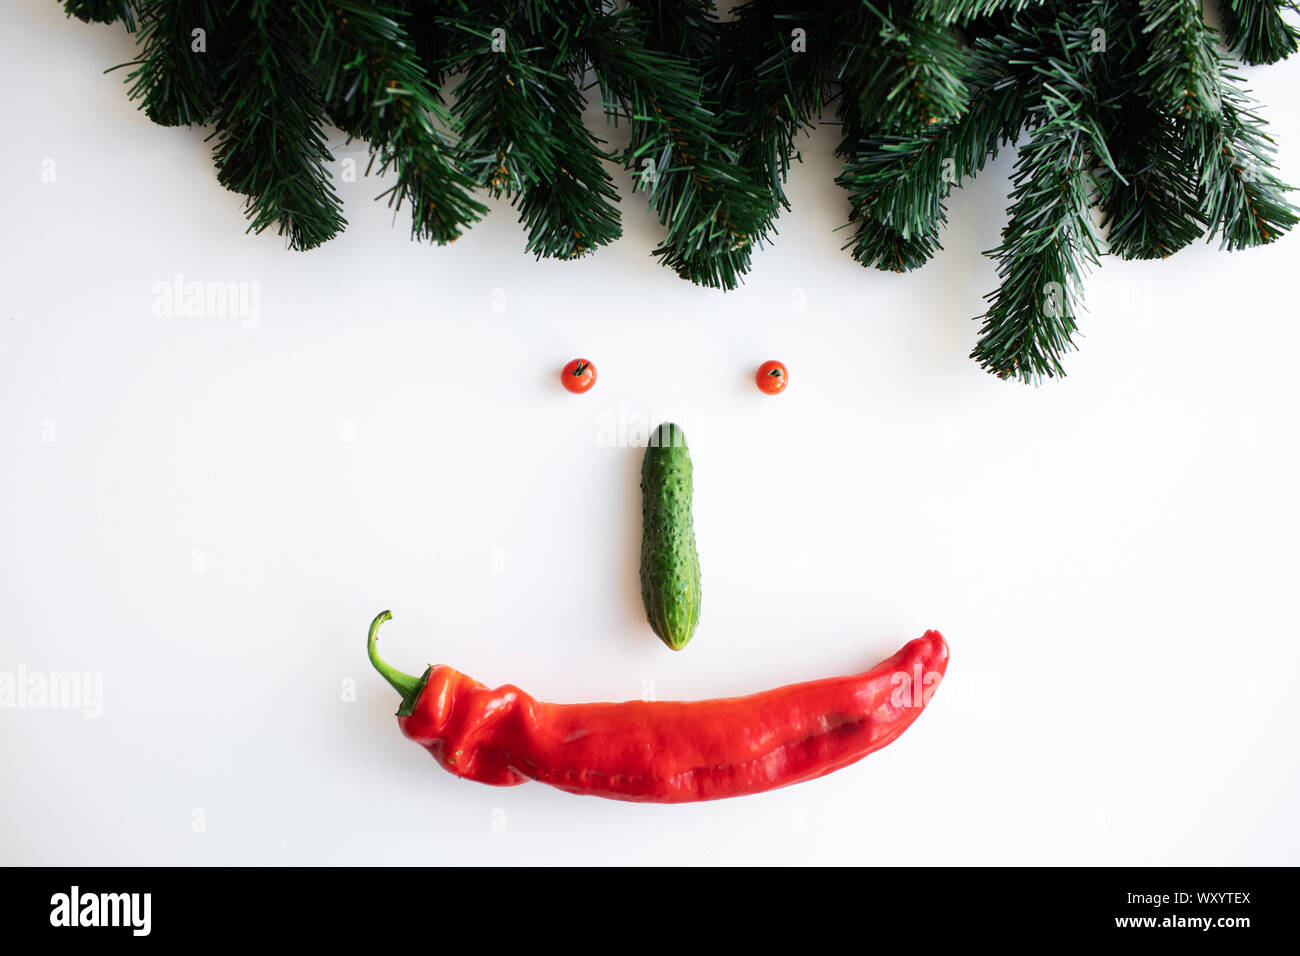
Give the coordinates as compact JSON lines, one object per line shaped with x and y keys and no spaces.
{"x":665,"y":751}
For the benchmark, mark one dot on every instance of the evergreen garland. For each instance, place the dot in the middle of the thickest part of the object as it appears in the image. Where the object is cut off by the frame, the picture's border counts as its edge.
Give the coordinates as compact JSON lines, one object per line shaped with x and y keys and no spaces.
{"x":1255,"y":30}
{"x":1126,"y":108}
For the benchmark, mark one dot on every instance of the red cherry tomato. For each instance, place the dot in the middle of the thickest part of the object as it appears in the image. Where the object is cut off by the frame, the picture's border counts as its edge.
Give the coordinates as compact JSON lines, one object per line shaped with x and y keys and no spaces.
{"x":772,"y":377}
{"x":578,"y":376}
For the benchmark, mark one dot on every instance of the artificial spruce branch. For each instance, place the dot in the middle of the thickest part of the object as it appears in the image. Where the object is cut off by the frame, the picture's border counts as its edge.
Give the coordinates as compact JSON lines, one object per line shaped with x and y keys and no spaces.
{"x":714,"y":213}
{"x":175,"y":78}
{"x":101,"y":11}
{"x":898,"y":182}
{"x":572,"y":212}
{"x":376,"y":89}
{"x":1181,"y":70}
{"x":1256,"y":30}
{"x":770,"y":71}
{"x":1124,"y":109}
{"x":1149,"y":201}
{"x":1147,"y":195}
{"x":1223,"y":141}
{"x":520,"y":108}
{"x":1045,"y":246}
{"x":904,"y":71}
{"x":1049,"y":240}
{"x":1243,"y":201}
{"x":269,"y":124}
{"x":500,"y":104}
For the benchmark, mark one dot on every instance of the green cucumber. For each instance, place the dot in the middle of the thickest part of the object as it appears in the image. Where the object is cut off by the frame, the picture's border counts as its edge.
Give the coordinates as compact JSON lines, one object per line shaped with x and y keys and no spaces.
{"x":670,"y":565}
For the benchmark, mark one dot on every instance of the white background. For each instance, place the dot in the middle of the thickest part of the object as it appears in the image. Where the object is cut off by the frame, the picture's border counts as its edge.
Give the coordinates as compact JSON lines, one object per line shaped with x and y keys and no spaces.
{"x":208,"y":512}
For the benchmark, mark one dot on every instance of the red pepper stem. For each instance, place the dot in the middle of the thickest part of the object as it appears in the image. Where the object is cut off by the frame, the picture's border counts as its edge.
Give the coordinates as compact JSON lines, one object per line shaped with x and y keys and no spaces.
{"x":406,"y":685}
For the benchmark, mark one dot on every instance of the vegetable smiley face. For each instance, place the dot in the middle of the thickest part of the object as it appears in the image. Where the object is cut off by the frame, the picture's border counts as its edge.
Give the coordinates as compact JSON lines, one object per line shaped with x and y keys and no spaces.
{"x":578,"y":376}
{"x":665,"y":751}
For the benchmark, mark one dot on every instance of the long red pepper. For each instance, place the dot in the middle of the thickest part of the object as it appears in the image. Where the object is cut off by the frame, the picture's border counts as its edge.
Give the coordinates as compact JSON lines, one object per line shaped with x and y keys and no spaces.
{"x":664,"y":751}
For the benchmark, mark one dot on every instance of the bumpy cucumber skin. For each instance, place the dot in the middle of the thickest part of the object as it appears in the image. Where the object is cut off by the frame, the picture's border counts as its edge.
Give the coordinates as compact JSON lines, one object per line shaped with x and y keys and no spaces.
{"x":670,"y":565}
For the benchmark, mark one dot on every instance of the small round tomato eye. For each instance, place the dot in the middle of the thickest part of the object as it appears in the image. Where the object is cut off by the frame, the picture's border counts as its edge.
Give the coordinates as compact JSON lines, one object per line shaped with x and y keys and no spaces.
{"x":771,"y":377}
{"x":578,"y":376}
